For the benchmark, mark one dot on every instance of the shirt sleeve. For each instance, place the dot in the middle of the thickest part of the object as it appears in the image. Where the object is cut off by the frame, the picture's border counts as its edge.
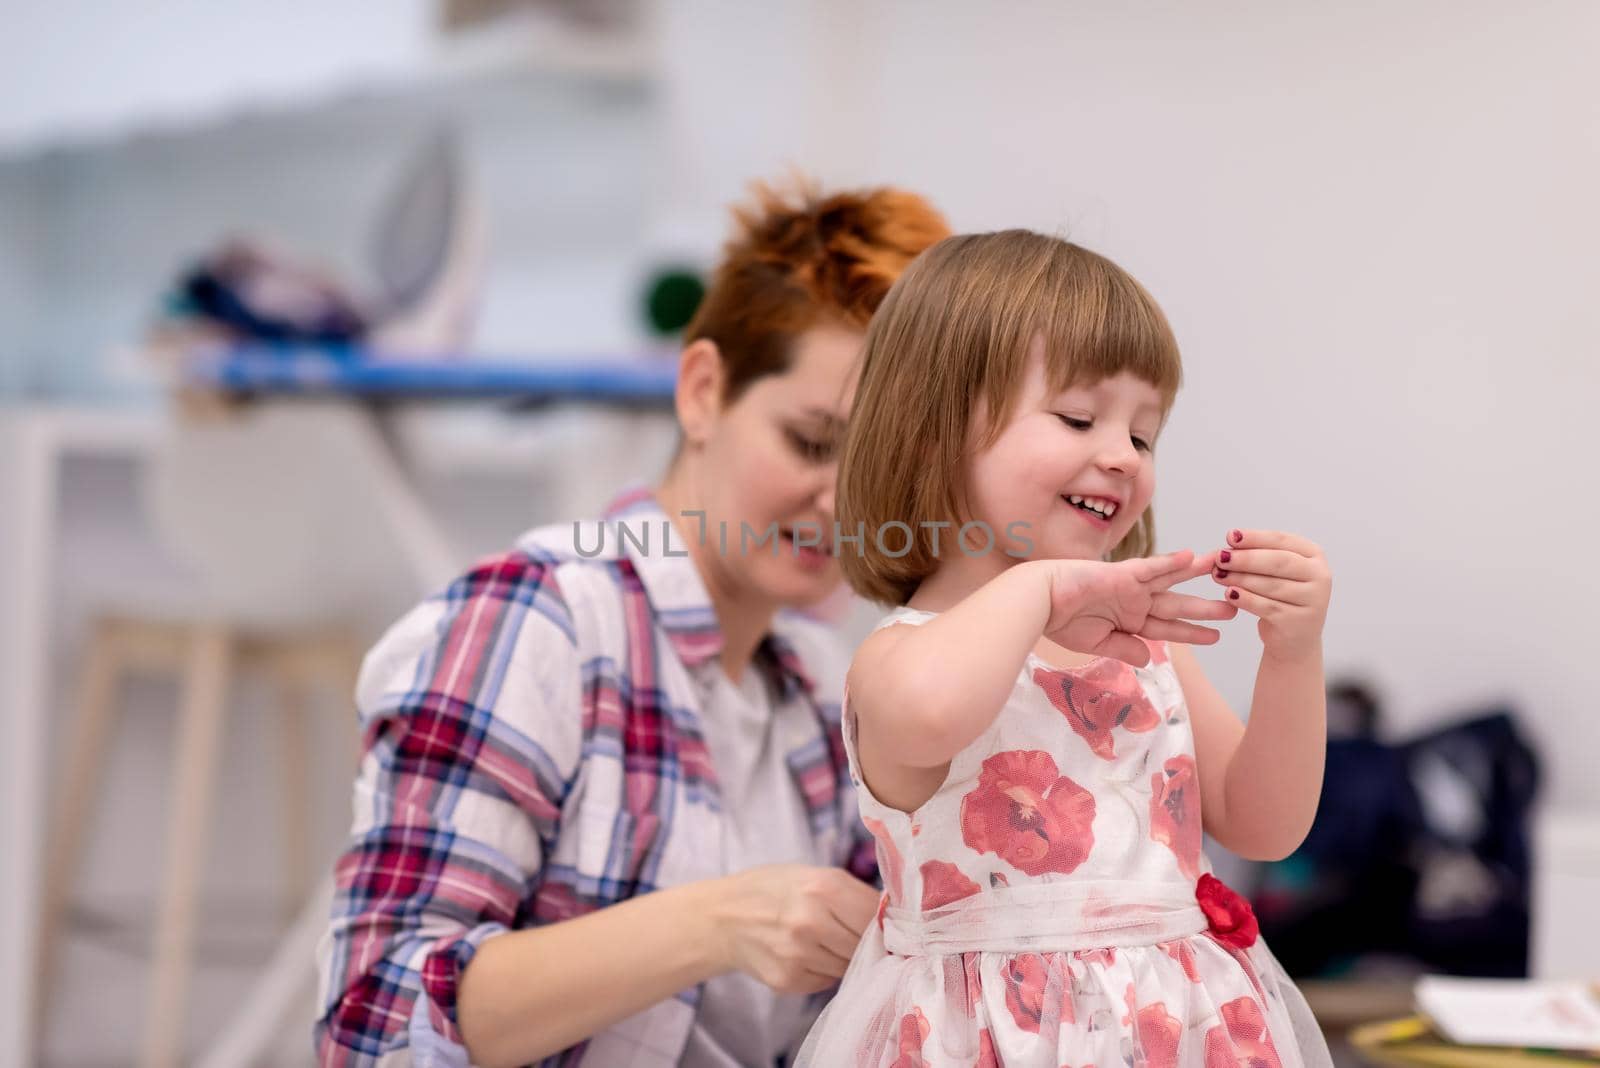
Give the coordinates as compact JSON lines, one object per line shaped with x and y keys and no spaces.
{"x":472,"y":728}
{"x":828,"y":663}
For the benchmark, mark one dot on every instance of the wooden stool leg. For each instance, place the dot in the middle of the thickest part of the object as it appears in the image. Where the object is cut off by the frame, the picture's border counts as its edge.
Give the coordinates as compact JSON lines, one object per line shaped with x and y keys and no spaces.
{"x":77,"y":792}
{"x":294,"y":736}
{"x":205,"y":693}
{"x":354,"y":656}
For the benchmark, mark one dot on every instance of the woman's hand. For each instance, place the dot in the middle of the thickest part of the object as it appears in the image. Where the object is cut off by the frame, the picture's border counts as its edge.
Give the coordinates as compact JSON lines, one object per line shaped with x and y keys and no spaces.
{"x":1098,"y":608}
{"x":794,"y":927}
{"x":1284,"y":581}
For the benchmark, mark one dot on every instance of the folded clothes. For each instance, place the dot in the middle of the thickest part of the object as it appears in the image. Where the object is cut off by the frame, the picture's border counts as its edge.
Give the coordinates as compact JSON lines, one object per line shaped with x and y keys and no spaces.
{"x":258,"y":294}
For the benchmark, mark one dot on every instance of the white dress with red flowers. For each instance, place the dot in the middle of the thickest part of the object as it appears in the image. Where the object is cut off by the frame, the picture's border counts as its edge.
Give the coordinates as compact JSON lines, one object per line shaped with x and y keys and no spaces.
{"x":1050,"y":905}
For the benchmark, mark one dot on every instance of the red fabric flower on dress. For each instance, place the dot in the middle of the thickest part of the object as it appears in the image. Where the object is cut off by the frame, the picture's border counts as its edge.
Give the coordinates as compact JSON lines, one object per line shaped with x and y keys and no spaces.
{"x":1242,"y":1040}
{"x":1098,"y":700}
{"x":1175,"y":812}
{"x":1232,"y":920}
{"x":914,"y":1029}
{"x":1026,"y":812}
{"x":943,"y":883}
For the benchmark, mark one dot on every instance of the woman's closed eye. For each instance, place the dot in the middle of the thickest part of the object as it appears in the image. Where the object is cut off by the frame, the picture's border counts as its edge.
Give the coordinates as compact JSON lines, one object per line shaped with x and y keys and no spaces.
{"x":1084,"y":424}
{"x":813,"y":449}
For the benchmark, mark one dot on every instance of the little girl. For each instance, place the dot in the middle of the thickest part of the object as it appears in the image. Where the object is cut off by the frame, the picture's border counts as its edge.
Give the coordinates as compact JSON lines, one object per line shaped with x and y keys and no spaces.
{"x":1033,"y":740}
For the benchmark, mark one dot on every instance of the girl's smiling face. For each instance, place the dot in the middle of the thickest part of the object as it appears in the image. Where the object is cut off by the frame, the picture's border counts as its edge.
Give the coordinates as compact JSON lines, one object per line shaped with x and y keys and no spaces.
{"x":1072,"y":470}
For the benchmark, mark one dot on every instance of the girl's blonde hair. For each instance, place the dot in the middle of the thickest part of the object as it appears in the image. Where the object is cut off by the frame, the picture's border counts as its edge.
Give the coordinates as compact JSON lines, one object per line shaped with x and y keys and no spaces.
{"x":950,"y":342}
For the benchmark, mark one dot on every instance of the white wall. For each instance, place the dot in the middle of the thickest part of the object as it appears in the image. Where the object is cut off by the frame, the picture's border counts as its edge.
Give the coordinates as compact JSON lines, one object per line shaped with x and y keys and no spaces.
{"x":1374,"y":228}
{"x":92,"y":66}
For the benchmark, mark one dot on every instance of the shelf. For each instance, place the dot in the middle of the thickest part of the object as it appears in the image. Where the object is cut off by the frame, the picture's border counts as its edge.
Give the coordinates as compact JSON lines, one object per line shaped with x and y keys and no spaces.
{"x":174,"y":81}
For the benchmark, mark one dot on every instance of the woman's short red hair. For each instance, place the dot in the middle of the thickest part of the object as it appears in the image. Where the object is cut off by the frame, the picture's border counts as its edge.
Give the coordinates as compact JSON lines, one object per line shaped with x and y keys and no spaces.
{"x":798,"y":259}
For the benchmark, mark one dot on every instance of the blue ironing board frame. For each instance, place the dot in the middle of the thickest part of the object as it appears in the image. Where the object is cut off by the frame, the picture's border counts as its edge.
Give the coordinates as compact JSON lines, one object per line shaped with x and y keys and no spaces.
{"x":337,"y":371}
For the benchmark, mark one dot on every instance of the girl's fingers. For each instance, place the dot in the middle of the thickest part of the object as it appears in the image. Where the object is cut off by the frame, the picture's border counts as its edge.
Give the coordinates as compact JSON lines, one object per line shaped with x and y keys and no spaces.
{"x":1155,"y":569}
{"x":1284,"y":591}
{"x":1185,"y":606}
{"x":1193,"y":567}
{"x":1175,"y":630}
{"x":1125,"y":647}
{"x":1199,"y":566}
{"x":1271,"y":539}
{"x":1274,"y":563}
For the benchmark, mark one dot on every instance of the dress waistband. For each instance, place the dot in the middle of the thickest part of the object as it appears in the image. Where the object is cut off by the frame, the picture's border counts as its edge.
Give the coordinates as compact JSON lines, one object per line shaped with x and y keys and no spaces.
{"x":1048,"y":918}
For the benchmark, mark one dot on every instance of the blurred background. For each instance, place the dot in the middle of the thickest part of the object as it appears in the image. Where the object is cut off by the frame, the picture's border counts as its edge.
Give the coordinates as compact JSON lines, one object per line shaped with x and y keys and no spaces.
{"x":1372,"y":225}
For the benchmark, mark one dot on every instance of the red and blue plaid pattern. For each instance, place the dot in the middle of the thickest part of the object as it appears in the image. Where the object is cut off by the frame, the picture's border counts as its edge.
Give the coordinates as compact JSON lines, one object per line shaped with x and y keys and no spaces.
{"x":532,"y":753}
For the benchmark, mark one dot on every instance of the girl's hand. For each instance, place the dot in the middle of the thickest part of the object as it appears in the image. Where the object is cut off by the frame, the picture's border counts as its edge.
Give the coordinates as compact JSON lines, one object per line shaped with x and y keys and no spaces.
{"x":1099,"y":608}
{"x":1284,"y":581}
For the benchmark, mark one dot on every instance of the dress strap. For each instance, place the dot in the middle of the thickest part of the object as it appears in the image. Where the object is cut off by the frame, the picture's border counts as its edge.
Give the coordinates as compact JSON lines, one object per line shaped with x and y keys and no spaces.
{"x":904,"y":614}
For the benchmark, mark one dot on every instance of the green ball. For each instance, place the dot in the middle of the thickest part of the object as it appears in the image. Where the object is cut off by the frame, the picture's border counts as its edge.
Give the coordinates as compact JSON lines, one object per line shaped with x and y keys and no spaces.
{"x":673,"y":295}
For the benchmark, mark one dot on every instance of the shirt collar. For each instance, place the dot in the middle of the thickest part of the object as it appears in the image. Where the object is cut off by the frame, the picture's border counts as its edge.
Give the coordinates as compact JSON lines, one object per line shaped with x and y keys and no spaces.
{"x":659,"y":556}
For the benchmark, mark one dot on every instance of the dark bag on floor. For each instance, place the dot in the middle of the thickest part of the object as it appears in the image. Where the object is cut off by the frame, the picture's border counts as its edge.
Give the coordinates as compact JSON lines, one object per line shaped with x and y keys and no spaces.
{"x":1419,"y":852}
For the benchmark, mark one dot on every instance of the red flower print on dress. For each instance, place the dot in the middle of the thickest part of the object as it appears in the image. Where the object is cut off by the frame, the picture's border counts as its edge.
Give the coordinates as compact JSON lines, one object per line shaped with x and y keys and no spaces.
{"x":943,"y":883}
{"x":1027,"y":813}
{"x":1025,"y":975}
{"x":1180,"y":952}
{"x":986,"y":1055}
{"x":914,"y":1029}
{"x":1241,"y":1041}
{"x":969,"y":972}
{"x":1156,"y":1034}
{"x":1098,"y":700}
{"x":889,"y":861}
{"x":1027,"y":978}
{"x":1175,"y":812}
{"x":1232,"y":920}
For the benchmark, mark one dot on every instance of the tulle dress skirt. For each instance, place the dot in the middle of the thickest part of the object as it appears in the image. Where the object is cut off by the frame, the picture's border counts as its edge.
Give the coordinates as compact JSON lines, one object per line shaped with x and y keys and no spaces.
{"x":1063,"y":975}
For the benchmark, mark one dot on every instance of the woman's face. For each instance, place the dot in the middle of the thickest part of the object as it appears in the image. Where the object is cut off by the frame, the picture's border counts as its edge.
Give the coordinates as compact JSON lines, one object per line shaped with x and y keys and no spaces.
{"x":767,"y":471}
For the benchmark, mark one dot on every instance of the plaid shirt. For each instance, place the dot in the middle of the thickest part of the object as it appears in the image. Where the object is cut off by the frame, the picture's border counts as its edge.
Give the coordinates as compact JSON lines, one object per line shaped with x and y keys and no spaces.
{"x":533,"y":752}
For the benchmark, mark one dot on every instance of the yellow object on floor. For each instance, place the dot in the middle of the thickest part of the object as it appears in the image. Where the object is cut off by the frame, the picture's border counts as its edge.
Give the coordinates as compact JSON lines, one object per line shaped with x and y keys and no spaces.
{"x":1412,"y":1041}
